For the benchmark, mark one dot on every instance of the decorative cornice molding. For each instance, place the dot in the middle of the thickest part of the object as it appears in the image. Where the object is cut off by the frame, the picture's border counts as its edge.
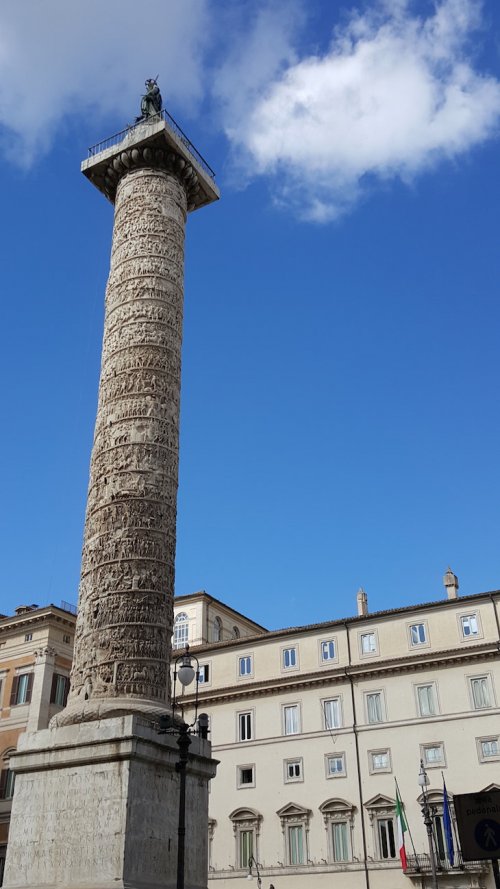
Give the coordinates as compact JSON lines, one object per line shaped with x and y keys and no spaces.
{"x":155,"y":158}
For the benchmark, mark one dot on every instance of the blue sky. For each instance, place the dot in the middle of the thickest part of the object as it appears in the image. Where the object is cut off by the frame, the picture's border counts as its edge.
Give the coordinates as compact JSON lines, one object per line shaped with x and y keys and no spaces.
{"x":340,"y":418}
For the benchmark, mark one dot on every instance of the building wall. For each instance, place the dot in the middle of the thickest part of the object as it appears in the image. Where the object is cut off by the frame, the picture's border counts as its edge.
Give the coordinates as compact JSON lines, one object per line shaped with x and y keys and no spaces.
{"x":37,"y":642}
{"x":436,"y":655}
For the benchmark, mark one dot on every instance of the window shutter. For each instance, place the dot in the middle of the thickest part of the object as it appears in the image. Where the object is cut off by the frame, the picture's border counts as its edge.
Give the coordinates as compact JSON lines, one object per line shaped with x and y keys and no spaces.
{"x":30,"y":687}
{"x":53,"y":688}
{"x":66,"y":691}
{"x":3,"y":782}
{"x":13,"y":694}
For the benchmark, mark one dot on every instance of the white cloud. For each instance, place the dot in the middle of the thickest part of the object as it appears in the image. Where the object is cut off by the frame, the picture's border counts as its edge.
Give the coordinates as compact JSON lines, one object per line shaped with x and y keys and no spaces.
{"x":62,"y":57}
{"x":393,"y":95}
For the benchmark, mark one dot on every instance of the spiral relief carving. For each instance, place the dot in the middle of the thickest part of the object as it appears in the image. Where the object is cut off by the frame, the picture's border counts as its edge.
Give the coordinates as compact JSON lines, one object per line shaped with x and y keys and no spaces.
{"x":124,"y":625}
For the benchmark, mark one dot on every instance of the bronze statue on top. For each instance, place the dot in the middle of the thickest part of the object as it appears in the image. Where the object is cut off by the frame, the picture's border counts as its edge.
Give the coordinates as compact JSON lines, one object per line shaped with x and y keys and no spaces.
{"x":151,"y":102}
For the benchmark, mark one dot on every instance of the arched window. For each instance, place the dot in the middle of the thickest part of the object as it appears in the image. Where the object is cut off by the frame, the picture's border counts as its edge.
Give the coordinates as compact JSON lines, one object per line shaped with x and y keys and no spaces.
{"x":246,"y":828}
{"x":6,"y":776}
{"x":181,"y":630}
{"x":338,"y":815}
{"x":236,"y":633}
{"x":217,"y":630}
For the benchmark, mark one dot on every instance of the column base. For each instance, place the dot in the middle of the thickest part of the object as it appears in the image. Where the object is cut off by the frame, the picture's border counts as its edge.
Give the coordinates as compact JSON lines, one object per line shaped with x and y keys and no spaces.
{"x":96,"y":806}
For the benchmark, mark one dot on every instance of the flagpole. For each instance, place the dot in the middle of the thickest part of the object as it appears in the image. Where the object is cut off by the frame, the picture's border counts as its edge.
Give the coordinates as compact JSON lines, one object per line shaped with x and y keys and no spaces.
{"x":407,"y":822}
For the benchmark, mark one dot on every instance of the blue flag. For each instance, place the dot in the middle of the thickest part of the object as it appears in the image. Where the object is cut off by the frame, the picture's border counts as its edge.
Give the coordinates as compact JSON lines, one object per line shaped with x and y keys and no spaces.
{"x":447,"y":826}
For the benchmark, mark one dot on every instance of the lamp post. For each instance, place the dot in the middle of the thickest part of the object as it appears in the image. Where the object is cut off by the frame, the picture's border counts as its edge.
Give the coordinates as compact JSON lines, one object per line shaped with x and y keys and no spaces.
{"x":252,"y":861}
{"x":184,"y":672}
{"x":423,"y":780}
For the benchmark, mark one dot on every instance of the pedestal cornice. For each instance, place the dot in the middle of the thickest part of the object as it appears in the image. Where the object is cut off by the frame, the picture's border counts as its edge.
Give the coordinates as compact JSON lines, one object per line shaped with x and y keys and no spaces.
{"x":156,"y":145}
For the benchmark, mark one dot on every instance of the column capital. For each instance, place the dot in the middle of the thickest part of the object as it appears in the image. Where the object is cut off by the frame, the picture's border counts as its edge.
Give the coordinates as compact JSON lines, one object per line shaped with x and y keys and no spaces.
{"x":153,"y":144}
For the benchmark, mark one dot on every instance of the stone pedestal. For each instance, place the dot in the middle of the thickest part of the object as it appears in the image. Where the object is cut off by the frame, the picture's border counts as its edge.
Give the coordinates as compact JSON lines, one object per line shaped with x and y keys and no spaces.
{"x":96,"y":806}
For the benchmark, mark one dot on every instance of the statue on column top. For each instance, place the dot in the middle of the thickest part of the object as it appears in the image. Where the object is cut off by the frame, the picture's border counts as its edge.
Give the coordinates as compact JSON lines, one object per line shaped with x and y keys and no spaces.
{"x":151,"y":102}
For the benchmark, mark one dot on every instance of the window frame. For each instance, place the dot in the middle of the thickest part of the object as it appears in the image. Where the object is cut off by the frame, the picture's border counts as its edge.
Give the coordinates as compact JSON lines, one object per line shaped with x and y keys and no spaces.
{"x":420,"y":685}
{"x":284,"y":707}
{"x":283,"y":651}
{"x":295,"y":816}
{"x":251,"y":714}
{"x":243,"y":785}
{"x":245,"y":820}
{"x":181,"y":623}
{"x":434,"y":764}
{"x":298,"y":779}
{"x":334,"y":699}
{"x":383,"y":711}
{"x":207,"y":665}
{"x":341,"y":756}
{"x":495,"y":757}
{"x":372,"y":653}
{"x":332,"y":640}
{"x":27,"y":688}
{"x":425,"y":643}
{"x":388,"y":819}
{"x":338,"y":811}
{"x":240,"y":659}
{"x":387,"y":769}
{"x":489,"y":685}
{"x":59,"y":689}
{"x":465,"y":616}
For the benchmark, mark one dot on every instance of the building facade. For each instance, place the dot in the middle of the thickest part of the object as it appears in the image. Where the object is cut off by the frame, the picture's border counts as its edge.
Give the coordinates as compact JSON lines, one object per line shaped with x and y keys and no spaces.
{"x":36,"y":646}
{"x":312,"y":726}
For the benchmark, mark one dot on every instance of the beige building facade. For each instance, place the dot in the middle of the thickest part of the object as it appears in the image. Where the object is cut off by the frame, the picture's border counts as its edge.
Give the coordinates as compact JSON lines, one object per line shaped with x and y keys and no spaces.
{"x":36,"y":647}
{"x":313,"y":726}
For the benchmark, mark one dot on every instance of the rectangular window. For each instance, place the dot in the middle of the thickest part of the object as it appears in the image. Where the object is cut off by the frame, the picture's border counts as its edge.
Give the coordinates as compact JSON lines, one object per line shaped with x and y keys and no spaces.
{"x":66,"y":639}
{"x":59,"y":690}
{"x":21,"y":689}
{"x":380,"y":761}
{"x":469,"y":625}
{"x":245,"y":732}
{"x":296,"y":844}
{"x":340,"y":841}
{"x":289,"y":658}
{"x":293,"y":770}
{"x":291,"y":719}
{"x":245,"y":665}
{"x":374,"y":712}
{"x":335,"y":765}
{"x":368,"y":643}
{"x":7,"y":778}
{"x":332,"y":713}
{"x":418,"y":634}
{"x":328,"y":650}
{"x":204,"y":673}
{"x":245,"y":847}
{"x":489,"y":748}
{"x":386,"y":843}
{"x":28,"y":637}
{"x":480,"y":688}
{"x":433,"y":755}
{"x":246,"y":776}
{"x":426,"y":698}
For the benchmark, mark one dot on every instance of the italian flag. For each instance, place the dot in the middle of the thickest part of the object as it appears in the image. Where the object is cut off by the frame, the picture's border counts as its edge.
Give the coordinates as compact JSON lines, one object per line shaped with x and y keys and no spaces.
{"x":402,"y":828}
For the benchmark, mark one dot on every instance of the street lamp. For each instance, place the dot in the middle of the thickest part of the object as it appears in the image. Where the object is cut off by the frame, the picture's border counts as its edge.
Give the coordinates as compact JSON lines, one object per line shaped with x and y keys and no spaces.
{"x":184,"y":672}
{"x":423,"y":780}
{"x":252,"y":861}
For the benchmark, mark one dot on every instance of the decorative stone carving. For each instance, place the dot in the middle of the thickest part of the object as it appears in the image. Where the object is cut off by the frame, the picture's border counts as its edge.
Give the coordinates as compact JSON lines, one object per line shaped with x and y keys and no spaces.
{"x":124,"y":625}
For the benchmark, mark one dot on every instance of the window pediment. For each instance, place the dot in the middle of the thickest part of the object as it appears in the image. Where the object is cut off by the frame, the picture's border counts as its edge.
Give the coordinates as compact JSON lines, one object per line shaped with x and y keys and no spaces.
{"x":380,"y":805}
{"x":245,"y":815}
{"x":293,"y":810}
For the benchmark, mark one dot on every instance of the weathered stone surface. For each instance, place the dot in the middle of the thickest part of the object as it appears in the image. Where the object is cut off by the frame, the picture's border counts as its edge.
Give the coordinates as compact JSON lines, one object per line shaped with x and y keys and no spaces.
{"x":122,"y":642}
{"x":96,"y":806}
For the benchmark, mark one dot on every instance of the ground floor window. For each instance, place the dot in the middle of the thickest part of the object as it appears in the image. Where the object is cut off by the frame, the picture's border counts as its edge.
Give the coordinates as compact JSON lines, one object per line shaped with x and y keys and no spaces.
{"x":386,"y":841}
{"x":296,"y":844}
{"x":340,"y":841}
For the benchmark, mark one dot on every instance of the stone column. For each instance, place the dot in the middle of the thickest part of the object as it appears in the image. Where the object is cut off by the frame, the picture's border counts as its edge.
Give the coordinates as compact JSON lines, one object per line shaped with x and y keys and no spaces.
{"x":43,"y":673}
{"x":124,"y":624}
